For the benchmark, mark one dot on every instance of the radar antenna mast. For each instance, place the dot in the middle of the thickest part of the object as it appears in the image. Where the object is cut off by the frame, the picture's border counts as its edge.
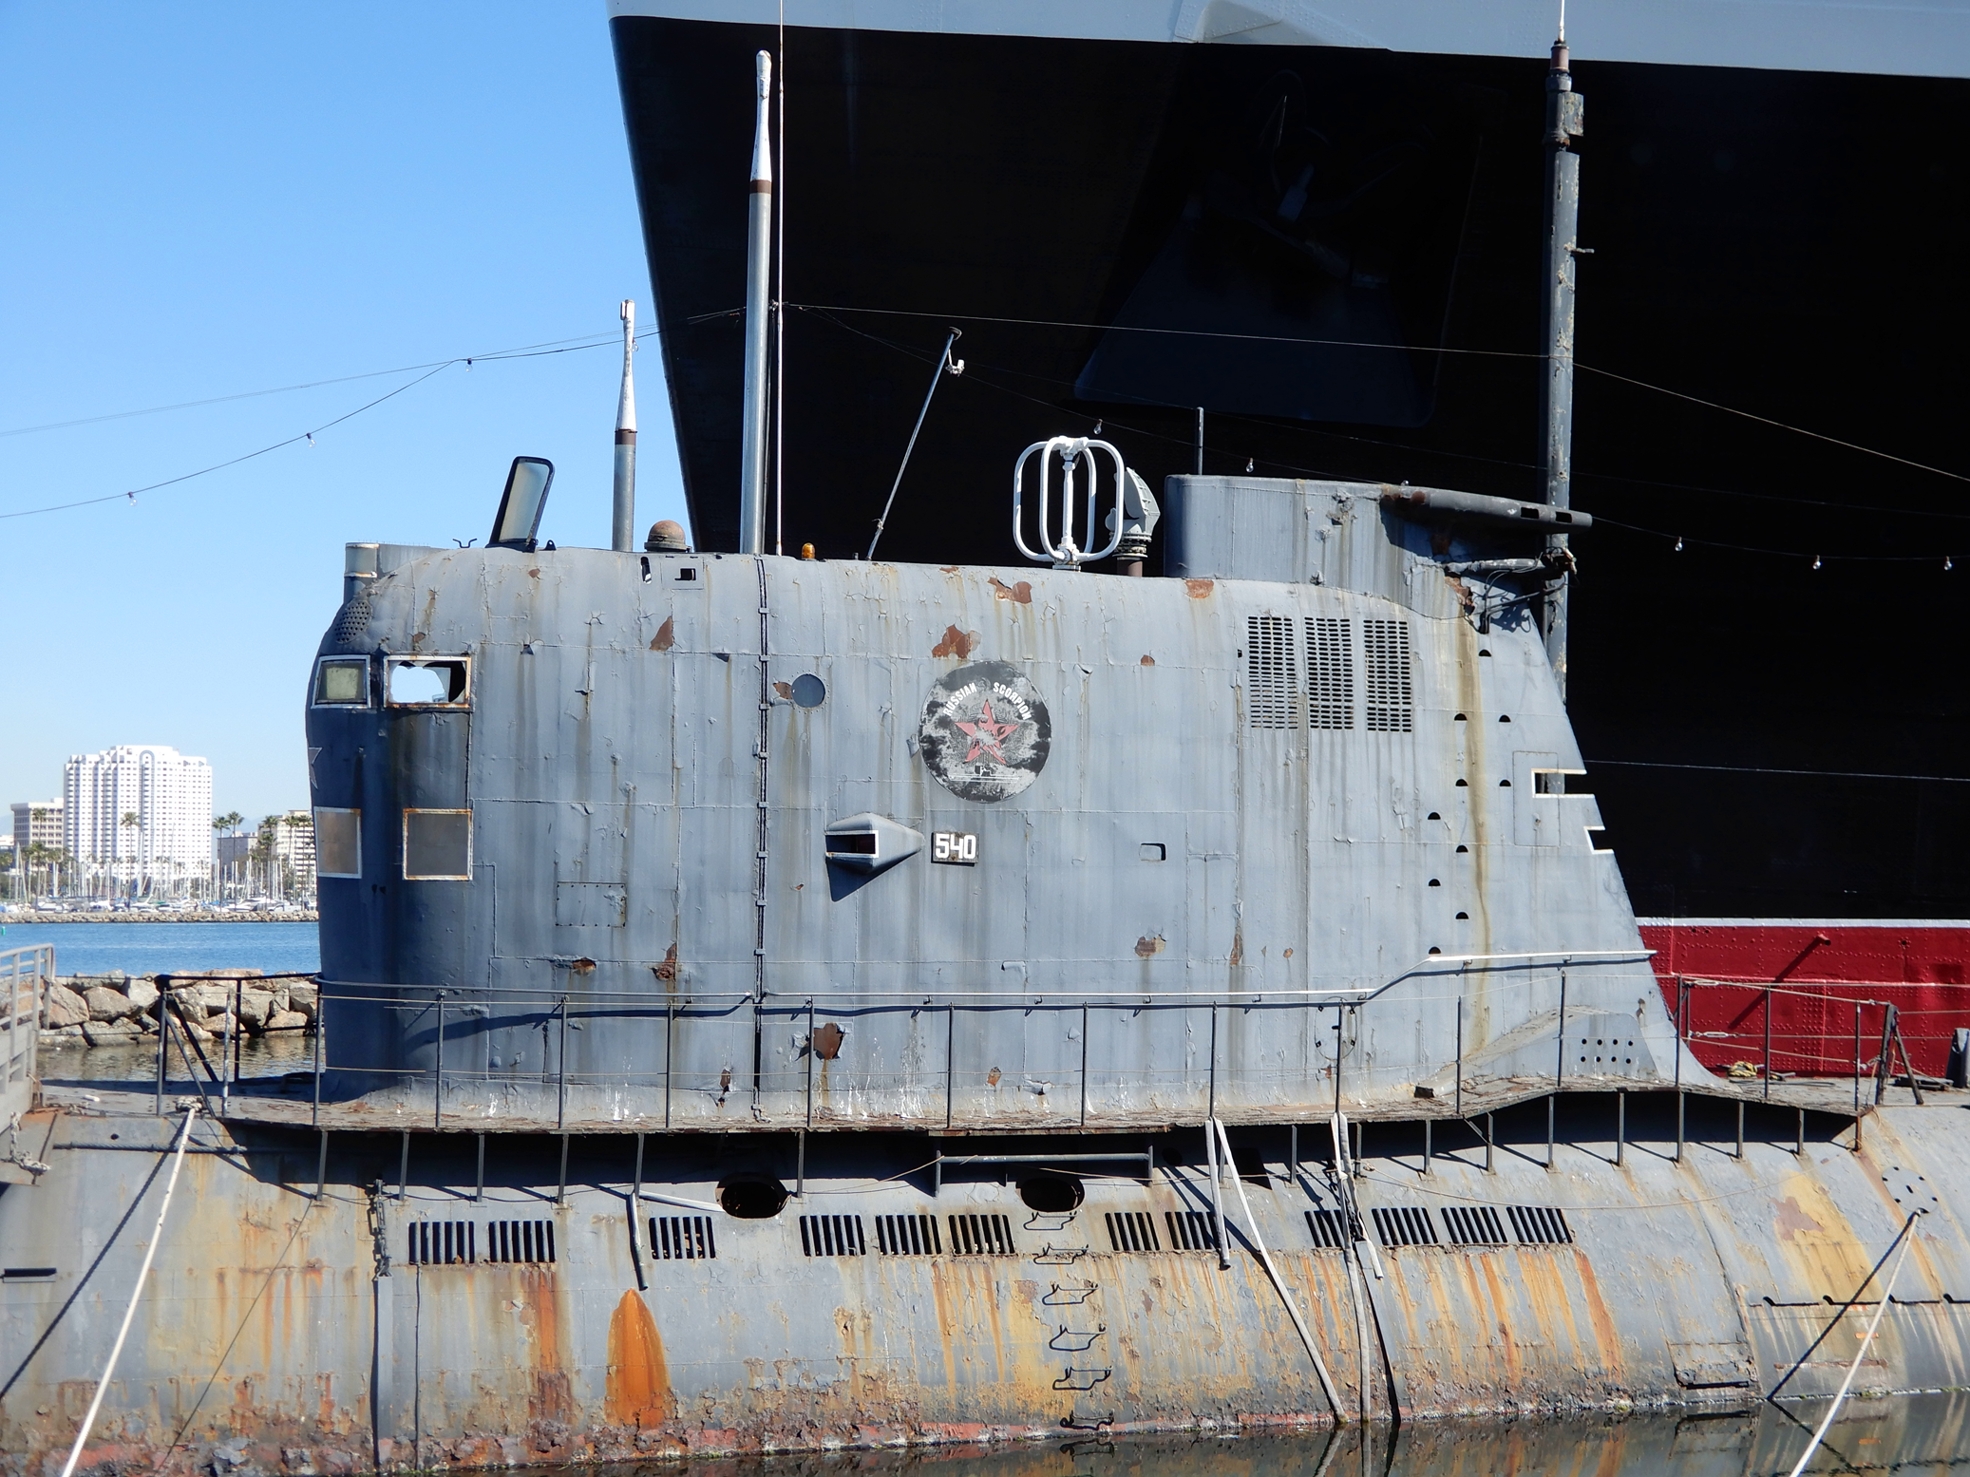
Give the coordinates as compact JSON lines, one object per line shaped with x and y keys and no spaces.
{"x":1564,"y":108}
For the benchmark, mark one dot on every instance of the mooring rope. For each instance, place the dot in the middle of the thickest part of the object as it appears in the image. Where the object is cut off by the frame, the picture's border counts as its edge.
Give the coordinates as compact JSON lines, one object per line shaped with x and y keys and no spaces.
{"x":130,"y":1313}
{"x":1887,"y":1294}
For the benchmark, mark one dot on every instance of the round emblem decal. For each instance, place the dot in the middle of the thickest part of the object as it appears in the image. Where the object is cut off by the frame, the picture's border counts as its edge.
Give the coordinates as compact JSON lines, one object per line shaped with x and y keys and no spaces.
{"x":985,"y":732}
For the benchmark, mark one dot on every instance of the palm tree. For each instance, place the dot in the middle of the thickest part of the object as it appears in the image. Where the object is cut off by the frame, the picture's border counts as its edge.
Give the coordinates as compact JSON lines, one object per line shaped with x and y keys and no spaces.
{"x":229,"y":824}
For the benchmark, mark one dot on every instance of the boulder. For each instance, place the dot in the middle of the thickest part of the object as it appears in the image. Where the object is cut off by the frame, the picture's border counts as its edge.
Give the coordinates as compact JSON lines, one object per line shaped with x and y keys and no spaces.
{"x":106,"y":1004}
{"x":143,"y":994}
{"x":63,"y":1007}
{"x":254,"y":1008}
{"x":302,"y":996}
{"x":287,"y":1020}
{"x":105,"y":1033}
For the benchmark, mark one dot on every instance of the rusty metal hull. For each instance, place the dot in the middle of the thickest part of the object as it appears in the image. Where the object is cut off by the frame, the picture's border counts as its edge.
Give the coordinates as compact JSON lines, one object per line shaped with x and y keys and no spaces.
{"x":291,"y":1330}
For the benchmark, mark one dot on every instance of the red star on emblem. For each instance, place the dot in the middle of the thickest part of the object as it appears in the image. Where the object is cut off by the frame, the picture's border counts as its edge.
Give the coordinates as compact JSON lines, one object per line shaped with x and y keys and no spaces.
{"x":987,"y":734}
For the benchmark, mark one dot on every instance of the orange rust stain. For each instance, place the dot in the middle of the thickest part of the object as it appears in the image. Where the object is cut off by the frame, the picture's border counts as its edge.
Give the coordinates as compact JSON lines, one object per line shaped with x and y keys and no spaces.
{"x":666,"y":636}
{"x":1148,"y":660}
{"x":1792,"y":1219}
{"x":1597,"y":1314}
{"x":1149,"y":946}
{"x":955,"y":643}
{"x":1199,"y":589}
{"x":540,"y":1315}
{"x":1019,"y":594}
{"x":639,"y":1380}
{"x":1508,"y":1348}
{"x":785,"y":690}
{"x":667,"y":971}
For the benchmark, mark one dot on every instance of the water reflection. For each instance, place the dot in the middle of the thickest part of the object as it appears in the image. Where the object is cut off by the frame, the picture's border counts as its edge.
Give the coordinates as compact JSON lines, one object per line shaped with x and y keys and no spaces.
{"x":1915,"y":1435}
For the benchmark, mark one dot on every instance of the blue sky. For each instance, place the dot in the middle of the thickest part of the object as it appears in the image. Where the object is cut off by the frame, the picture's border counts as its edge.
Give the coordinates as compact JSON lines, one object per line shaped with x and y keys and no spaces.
{"x":207,"y":200}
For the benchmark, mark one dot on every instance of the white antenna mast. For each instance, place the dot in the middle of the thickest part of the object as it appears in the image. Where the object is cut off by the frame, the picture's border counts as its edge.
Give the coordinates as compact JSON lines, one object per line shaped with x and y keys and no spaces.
{"x":759,"y":261}
{"x":623,"y":522}
{"x":780,"y":311}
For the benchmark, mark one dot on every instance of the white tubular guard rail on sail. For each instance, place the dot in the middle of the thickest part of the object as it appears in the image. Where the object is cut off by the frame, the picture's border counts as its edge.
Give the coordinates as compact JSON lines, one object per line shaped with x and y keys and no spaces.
{"x":1066,"y":553}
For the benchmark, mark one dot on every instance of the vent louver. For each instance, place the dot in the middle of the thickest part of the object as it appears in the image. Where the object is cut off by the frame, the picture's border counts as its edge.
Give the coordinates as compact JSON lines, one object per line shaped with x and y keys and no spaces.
{"x":1388,"y":705}
{"x":1272,"y":678}
{"x":1403,"y":1225}
{"x":1473,"y":1225}
{"x":1540,"y":1224}
{"x":981,"y":1235}
{"x":684,"y":1238}
{"x":907,"y":1235}
{"x":1132,"y":1230}
{"x":1329,"y":672}
{"x":832,"y":1235}
{"x":1191,"y":1230}
{"x":1329,"y":1229}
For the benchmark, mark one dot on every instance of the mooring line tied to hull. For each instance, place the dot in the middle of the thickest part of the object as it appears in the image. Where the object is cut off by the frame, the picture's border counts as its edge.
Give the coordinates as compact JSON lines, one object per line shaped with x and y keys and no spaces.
{"x":1251,"y":1227}
{"x":136,"y":1293}
{"x":1867,"y":1338}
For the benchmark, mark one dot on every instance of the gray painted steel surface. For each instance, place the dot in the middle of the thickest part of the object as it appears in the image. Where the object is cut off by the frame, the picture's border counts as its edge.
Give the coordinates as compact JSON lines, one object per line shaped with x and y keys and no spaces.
{"x":1212,"y":848}
{"x":1341,"y":781}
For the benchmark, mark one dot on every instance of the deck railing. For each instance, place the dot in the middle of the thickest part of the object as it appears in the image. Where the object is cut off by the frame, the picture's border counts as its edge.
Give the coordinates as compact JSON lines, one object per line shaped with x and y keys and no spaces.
{"x":24,"y":977}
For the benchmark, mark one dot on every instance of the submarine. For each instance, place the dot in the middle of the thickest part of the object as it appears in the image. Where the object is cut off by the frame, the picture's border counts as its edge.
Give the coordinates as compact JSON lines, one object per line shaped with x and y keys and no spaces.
{"x":778,"y":1003}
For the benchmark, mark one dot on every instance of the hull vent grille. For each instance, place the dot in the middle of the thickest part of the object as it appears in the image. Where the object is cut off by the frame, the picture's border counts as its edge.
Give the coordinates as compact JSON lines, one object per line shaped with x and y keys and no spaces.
{"x":1191,"y":1230}
{"x":1132,"y":1230}
{"x":1272,"y":680}
{"x":1389,"y":704}
{"x":981,"y":1235}
{"x":832,"y":1235}
{"x":1329,"y":673}
{"x":1404,"y":1225}
{"x":1473,"y":1225}
{"x":1540,"y":1225}
{"x":908,"y":1235}
{"x":1328,"y":1229}
{"x":682,"y":1238}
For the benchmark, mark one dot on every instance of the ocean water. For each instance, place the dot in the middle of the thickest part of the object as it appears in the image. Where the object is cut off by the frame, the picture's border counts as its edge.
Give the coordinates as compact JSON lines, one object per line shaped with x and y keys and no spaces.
{"x":160,"y":948}
{"x":1914,"y":1435}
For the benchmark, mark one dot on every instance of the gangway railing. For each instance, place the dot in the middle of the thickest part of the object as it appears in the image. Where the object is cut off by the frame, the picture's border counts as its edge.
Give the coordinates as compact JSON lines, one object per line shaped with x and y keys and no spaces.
{"x":24,"y":977}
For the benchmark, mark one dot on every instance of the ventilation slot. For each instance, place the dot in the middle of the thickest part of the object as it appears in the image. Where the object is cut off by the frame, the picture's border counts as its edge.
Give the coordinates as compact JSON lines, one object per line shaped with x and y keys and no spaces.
{"x":1473,"y":1225}
{"x":907,"y":1235}
{"x":1272,"y":683}
{"x":832,"y":1235}
{"x":1191,"y":1230}
{"x":520,"y":1241}
{"x":1388,"y":706}
{"x":1404,"y":1225}
{"x":1329,"y":673}
{"x":1329,"y":1229}
{"x":1132,"y":1230}
{"x":443,"y":1243}
{"x":981,"y":1235}
{"x":1540,"y":1225}
{"x":682,"y":1238}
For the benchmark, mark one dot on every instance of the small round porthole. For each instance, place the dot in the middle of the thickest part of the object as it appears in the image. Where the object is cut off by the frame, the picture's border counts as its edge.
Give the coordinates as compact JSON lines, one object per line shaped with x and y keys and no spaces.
{"x":752,"y":1197}
{"x":1052,"y":1194}
{"x":809,"y":691}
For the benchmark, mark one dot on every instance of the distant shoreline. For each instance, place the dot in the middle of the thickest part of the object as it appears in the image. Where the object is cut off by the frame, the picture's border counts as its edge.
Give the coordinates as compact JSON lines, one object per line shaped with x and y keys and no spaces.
{"x":30,"y":918}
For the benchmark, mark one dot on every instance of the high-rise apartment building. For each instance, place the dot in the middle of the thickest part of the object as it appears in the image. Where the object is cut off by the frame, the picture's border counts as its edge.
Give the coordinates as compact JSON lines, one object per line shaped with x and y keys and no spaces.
{"x":37,"y":822}
{"x":139,"y":818}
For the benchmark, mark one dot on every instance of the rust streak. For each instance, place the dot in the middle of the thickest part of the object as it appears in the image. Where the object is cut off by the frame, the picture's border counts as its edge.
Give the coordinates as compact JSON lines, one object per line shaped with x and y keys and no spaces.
{"x":639,"y":1391}
{"x":955,"y":643}
{"x":1020,"y":593}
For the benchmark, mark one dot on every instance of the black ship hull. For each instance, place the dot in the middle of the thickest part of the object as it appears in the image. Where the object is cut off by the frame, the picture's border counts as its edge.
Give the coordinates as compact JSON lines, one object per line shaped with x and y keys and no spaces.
{"x":1350,"y":242}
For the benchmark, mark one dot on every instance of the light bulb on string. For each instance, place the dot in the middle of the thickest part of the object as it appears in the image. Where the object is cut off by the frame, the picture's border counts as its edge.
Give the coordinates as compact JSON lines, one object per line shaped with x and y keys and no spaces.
{"x":1947,"y":564}
{"x":1250,"y":462}
{"x":1679,"y":543}
{"x":1816,"y":561}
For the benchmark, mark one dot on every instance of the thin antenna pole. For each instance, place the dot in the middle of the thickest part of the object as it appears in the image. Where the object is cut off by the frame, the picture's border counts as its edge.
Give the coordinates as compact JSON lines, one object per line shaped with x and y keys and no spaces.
{"x":1563,"y":125}
{"x":944,"y":363}
{"x":623,"y":520}
{"x":759,"y":260}
{"x":780,"y":307}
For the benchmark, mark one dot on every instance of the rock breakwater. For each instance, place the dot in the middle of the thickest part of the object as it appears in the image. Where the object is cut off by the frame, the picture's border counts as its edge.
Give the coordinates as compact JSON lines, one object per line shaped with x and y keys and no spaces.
{"x":115,"y":1008}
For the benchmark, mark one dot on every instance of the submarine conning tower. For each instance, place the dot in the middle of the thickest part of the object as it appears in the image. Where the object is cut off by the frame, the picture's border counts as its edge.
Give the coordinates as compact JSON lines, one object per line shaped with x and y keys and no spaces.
{"x":731,"y":842}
